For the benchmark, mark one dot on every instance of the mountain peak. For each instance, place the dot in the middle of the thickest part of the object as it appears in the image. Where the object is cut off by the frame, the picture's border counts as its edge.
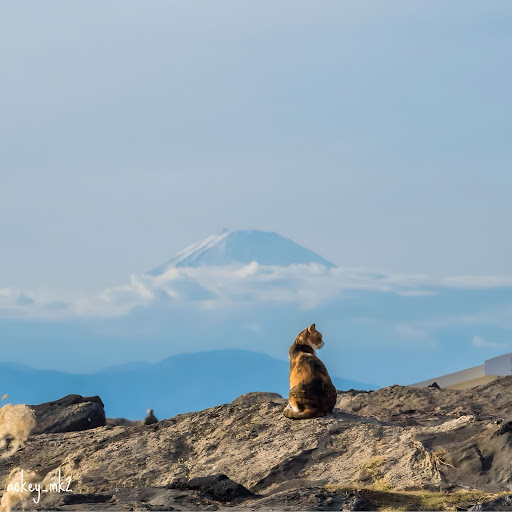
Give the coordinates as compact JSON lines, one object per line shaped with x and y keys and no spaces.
{"x":242,"y":247}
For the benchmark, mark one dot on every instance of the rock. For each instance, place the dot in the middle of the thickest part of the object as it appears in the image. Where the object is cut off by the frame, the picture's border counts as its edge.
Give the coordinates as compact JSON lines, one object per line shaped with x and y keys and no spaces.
{"x":362,"y":503}
{"x":500,"y":503}
{"x":259,"y":397}
{"x":506,"y":428}
{"x":396,"y":439}
{"x":303,"y":498}
{"x":69,"y":414}
{"x":76,"y":498}
{"x":254,"y":444}
{"x":427,"y":405}
{"x":158,"y":498}
{"x":219,"y":487}
{"x":122,"y":422}
{"x":434,"y":385}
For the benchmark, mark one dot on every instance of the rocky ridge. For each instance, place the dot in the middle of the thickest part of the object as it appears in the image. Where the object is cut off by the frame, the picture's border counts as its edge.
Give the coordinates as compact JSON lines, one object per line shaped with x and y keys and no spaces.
{"x":396,"y":441}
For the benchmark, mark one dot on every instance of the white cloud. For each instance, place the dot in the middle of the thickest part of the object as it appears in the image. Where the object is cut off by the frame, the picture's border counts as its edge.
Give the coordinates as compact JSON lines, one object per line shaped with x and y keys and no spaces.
{"x":479,"y":342}
{"x":305,"y":286}
{"x":16,"y":303}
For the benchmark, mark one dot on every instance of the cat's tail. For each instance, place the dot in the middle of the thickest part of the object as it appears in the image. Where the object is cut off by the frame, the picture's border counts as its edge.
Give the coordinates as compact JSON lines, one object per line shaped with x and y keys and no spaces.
{"x":293,"y":412}
{"x":303,"y":415}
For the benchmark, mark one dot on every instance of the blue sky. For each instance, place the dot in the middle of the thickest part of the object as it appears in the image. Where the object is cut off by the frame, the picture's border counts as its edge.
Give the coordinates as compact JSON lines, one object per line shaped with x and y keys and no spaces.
{"x":374,"y":133}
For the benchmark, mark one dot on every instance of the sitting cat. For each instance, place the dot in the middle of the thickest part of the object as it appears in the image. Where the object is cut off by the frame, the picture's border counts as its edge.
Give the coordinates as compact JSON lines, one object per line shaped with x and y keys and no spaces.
{"x":312,"y":393}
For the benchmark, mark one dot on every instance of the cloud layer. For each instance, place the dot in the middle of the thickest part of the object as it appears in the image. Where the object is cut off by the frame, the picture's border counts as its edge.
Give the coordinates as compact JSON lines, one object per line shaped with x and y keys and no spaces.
{"x":403,"y":327}
{"x":305,"y":286}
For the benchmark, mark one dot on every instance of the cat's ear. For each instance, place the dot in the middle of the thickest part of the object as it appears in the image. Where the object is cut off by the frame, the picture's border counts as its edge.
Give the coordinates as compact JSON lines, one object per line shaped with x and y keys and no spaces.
{"x":311,"y":328}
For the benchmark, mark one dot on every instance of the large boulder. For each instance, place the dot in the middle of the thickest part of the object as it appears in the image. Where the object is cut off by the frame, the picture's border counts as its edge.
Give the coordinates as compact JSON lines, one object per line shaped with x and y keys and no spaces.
{"x":69,"y":414}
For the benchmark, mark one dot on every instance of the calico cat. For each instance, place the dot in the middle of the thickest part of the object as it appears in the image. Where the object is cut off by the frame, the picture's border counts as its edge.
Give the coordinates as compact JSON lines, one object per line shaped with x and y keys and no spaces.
{"x":312,"y":393}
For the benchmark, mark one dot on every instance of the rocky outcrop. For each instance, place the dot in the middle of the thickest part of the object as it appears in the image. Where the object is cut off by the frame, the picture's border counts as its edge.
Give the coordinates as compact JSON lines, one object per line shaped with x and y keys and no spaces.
{"x":219,"y":487}
{"x":500,"y":503}
{"x":122,"y":422}
{"x":259,"y":397}
{"x":165,"y":498}
{"x":407,"y":405}
{"x":395,"y":440}
{"x":69,"y":414}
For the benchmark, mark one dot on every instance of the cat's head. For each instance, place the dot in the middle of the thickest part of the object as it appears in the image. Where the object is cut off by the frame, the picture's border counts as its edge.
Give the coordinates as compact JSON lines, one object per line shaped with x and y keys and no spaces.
{"x":311,"y":337}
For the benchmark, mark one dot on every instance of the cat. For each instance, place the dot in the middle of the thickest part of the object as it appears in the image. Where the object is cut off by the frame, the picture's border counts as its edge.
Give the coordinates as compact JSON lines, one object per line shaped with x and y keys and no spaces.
{"x":312,"y":393}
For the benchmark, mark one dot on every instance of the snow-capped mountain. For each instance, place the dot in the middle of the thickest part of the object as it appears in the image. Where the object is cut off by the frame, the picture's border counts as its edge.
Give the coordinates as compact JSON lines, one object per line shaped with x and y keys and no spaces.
{"x":242,"y":247}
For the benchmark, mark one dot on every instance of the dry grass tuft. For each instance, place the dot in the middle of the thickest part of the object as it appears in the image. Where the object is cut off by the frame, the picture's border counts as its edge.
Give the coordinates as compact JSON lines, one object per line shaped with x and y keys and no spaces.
{"x":16,"y":422}
{"x":421,"y":500}
{"x":12,"y":496}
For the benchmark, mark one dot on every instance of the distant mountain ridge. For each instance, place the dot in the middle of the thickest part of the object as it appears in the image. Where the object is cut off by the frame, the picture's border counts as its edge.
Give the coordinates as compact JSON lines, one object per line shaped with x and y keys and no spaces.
{"x":242,"y":247}
{"x":178,"y":384}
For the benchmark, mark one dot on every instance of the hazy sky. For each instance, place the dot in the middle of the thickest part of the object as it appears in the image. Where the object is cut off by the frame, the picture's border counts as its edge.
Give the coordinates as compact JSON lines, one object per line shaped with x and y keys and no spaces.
{"x":375,"y":133}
